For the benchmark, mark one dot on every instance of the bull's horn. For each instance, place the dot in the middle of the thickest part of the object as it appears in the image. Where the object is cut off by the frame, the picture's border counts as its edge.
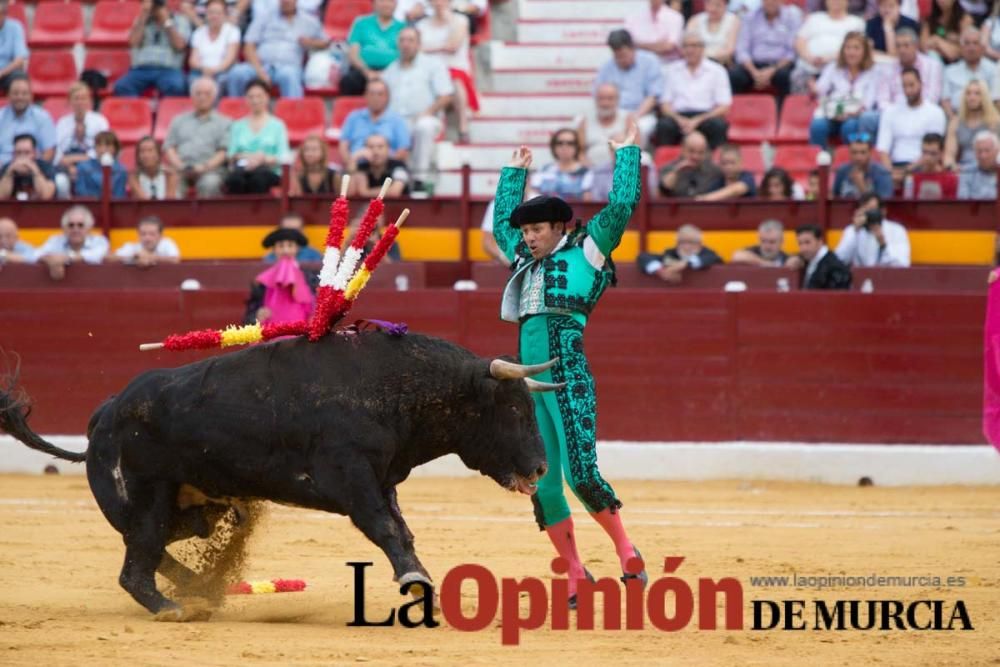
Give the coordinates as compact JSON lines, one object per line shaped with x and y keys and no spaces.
{"x":508,"y":370}
{"x":535,"y":385}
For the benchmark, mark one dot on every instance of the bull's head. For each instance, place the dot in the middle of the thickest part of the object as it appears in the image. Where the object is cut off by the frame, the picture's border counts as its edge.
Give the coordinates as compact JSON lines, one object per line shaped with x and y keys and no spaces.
{"x":507,"y":446}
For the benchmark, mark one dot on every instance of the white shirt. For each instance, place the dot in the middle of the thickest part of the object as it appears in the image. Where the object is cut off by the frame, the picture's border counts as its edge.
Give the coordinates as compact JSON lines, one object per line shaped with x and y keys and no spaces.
{"x":824,"y":35}
{"x":868,"y":87}
{"x":95,"y":247}
{"x":434,"y":36}
{"x":668,"y":25}
{"x":702,"y":90}
{"x":901,"y":129}
{"x":211,"y":52}
{"x":860,"y":248}
{"x":598,"y":135}
{"x":714,"y":41}
{"x":66,"y":140}
{"x":165,"y":248}
{"x":415,"y":87}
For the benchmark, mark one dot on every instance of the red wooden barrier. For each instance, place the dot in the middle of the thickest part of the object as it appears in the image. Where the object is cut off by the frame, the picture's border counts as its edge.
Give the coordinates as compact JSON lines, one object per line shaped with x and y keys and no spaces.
{"x":670,"y":365}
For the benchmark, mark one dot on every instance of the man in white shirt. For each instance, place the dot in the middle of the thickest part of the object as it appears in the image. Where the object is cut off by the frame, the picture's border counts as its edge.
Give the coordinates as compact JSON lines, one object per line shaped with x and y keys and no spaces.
{"x":972,"y":66}
{"x":696,"y":97}
{"x":902,"y":127}
{"x":152,"y":247}
{"x":420,"y":88}
{"x":871,"y":240}
{"x":657,"y":29}
{"x":602,"y":121}
{"x":75,"y":245}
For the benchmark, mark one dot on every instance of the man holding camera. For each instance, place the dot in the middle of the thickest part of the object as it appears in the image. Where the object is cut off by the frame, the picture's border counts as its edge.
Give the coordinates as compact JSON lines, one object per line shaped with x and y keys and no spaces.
{"x":871,"y":240}
{"x":158,"y":40}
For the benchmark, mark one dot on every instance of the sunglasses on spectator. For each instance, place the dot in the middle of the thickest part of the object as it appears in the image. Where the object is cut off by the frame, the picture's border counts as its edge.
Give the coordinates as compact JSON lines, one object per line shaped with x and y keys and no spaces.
{"x":76,"y":225}
{"x":860,"y":136}
{"x":565,"y":142}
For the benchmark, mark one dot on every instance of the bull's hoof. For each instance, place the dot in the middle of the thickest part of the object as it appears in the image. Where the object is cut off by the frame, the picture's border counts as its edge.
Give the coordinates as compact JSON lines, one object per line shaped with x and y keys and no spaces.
{"x":193,"y":611}
{"x":410,"y":577}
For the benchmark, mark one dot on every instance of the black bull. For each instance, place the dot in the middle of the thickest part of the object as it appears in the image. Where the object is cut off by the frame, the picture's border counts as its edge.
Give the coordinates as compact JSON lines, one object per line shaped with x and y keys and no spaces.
{"x":332,"y":426}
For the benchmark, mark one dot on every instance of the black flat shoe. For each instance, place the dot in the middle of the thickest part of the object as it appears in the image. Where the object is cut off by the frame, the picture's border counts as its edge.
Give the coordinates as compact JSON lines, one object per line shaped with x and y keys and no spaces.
{"x":642,"y":576}
{"x":572,"y":598}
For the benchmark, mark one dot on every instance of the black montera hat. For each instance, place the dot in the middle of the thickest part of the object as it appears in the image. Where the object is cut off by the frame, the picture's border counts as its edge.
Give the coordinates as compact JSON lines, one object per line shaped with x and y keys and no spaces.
{"x":541,"y":209}
{"x":285,"y":235}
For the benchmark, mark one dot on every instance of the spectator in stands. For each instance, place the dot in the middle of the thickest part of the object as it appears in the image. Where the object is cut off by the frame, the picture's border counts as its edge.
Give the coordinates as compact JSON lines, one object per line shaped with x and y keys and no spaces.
{"x":657,"y":29}
{"x":823,"y":269}
{"x":306,"y":253}
{"x":939,"y":34}
{"x":13,"y":48}
{"x":851,"y":91}
{"x":862,"y":174}
{"x":979,"y":181}
{"x":601,"y":122}
{"x":767,"y":252}
{"x":27,"y":176}
{"x":375,"y":118}
{"x":873,"y":240}
{"x":696,"y":97}
{"x":236,"y":12}
{"x":274,"y":49}
{"x":902,"y":128}
{"x":638,"y":78}
{"x":862,"y":8}
{"x":420,"y":89}
{"x":74,"y":245}
{"x":444,"y":35}
{"x":90,"y":173}
{"x":819,"y":41}
{"x":975,"y":113}
{"x":765,"y":50}
{"x":75,"y":134}
{"x":602,"y":175}
{"x":284,"y":292}
{"x":929,"y":179}
{"x":881,"y":29}
{"x":812,"y":191}
{"x":197,"y":141}
{"x":908,"y":55}
{"x":737,"y":182}
{"x":373,"y":41}
{"x":311,"y":171}
{"x":20,"y":116}
{"x":718,"y":30}
{"x":215,"y":45}
{"x":777,"y":184}
{"x":151,"y":249}
{"x":258,"y":143}
{"x":568,"y":177}
{"x":376,"y":166}
{"x":151,"y":179}
{"x":991,"y":34}
{"x":689,"y":254}
{"x":693,"y":173}
{"x":489,"y":241}
{"x":12,"y":248}
{"x":159,"y":40}
{"x":971,"y":67}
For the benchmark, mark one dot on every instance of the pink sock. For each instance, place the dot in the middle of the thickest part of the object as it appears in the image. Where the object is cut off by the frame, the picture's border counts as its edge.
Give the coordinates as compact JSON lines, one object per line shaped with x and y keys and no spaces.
{"x":564,"y":540}
{"x":611,"y":522}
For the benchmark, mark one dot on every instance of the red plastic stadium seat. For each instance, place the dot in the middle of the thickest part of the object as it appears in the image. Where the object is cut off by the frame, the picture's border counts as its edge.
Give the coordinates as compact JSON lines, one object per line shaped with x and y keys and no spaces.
{"x":302,"y":117}
{"x":111,"y":23}
{"x":343,"y":106}
{"x":752,"y":119}
{"x":796,"y":114}
{"x":57,"y":107}
{"x":340,"y":15}
{"x":666,"y":154}
{"x":170,"y":108}
{"x":796,"y":158}
{"x":233,"y":107}
{"x":130,"y":118}
{"x":51,"y":73}
{"x":113,"y":63}
{"x":56,"y":25}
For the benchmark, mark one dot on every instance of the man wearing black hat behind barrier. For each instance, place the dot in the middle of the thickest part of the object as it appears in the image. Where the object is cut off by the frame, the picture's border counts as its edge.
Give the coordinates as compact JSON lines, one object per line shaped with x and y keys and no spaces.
{"x":284,"y":292}
{"x":558,"y":276}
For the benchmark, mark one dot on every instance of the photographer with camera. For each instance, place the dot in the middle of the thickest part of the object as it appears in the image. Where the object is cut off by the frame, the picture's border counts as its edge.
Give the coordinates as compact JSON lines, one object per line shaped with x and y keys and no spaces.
{"x":158,"y":40}
{"x":871,"y":239}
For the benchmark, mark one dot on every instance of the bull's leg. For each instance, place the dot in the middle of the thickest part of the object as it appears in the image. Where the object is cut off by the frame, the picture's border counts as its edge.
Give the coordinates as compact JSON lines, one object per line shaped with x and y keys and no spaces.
{"x":393,"y":502}
{"x":145,"y":545}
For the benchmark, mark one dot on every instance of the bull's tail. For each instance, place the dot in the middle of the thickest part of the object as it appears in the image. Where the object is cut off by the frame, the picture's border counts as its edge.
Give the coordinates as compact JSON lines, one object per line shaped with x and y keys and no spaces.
{"x":14,"y":410}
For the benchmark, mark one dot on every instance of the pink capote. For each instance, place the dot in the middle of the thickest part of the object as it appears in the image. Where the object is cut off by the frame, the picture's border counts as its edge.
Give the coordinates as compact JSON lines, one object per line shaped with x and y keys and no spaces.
{"x":991,"y":367}
{"x":287,"y":296}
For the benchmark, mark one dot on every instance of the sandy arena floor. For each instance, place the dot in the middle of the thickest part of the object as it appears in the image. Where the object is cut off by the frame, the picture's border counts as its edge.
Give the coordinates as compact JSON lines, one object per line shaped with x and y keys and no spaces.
{"x":60,"y":603}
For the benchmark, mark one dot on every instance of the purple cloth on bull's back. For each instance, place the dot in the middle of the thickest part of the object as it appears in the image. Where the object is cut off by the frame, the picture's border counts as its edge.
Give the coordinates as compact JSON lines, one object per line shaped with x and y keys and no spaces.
{"x":991,"y":367}
{"x":287,"y":296}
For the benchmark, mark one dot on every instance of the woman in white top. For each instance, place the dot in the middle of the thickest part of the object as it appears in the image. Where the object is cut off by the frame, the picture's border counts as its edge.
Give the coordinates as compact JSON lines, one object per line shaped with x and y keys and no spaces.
{"x":214,"y":46}
{"x":445,"y":34}
{"x":718,"y":29}
{"x":819,"y":40}
{"x":851,"y":91}
{"x":75,"y":134}
{"x":991,"y":33}
{"x":151,"y":178}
